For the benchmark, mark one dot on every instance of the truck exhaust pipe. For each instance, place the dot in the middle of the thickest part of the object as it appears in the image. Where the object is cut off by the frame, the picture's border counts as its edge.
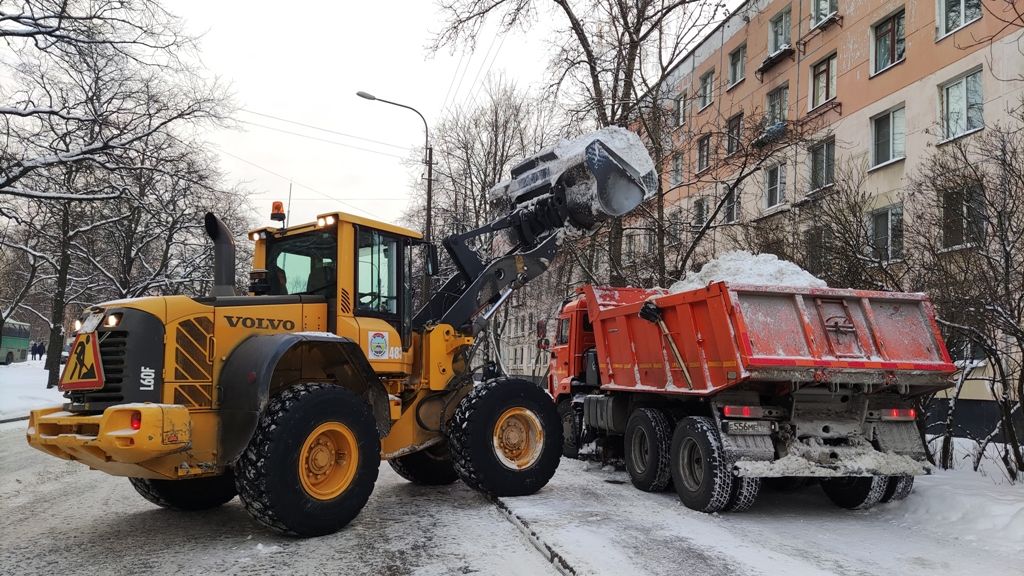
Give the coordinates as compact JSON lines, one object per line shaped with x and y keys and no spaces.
{"x":223,"y":256}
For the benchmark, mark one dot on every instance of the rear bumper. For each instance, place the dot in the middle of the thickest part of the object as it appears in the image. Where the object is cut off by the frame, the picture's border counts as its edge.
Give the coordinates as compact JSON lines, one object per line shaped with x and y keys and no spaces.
{"x":837,"y":461}
{"x":108,"y":442}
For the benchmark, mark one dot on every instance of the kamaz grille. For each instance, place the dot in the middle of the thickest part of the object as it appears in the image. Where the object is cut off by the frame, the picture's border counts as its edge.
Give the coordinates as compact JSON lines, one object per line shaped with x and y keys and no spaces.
{"x":113,"y":345}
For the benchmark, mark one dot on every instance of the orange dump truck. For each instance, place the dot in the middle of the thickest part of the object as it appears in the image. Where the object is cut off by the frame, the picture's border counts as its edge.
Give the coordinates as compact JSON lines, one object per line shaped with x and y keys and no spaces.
{"x":716,"y":388}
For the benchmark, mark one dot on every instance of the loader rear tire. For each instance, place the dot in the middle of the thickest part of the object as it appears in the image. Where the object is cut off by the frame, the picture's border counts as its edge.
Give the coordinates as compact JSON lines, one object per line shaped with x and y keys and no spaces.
{"x":898,"y":488}
{"x":855,"y":492}
{"x":700,"y":473}
{"x":191,"y":494}
{"x":312,"y":462}
{"x":744,"y":494}
{"x":429,"y":467}
{"x":647,"y":448}
{"x":506,"y":438}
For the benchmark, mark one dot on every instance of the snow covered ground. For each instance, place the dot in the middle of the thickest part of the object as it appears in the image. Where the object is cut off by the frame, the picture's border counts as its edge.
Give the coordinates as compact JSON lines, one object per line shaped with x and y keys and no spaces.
{"x":61,"y":517}
{"x":23,"y":388}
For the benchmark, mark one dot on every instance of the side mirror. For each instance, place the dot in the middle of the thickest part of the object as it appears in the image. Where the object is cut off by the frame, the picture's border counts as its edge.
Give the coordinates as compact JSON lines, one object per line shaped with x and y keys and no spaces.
{"x":432,"y":265}
{"x":543,"y":343}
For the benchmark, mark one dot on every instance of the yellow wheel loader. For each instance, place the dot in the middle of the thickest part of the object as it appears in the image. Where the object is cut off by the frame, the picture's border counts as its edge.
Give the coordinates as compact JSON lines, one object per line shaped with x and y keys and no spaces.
{"x":291,"y":396}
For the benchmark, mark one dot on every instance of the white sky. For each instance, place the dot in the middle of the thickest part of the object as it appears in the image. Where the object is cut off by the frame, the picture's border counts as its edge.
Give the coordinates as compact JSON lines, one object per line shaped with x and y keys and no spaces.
{"x":304,"y":61}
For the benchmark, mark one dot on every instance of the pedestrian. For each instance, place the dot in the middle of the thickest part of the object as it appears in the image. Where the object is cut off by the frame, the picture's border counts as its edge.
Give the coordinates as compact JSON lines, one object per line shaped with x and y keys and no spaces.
{"x":42,"y":351}
{"x":34,"y":350}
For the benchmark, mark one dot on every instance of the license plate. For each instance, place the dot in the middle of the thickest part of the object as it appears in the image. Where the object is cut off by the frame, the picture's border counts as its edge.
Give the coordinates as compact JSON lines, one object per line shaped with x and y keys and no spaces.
{"x":745,"y":427}
{"x":91,"y":323}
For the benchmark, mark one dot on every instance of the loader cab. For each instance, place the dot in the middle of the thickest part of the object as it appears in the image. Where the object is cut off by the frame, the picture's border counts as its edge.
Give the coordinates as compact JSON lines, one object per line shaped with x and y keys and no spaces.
{"x":363,"y":270}
{"x":574,"y":335}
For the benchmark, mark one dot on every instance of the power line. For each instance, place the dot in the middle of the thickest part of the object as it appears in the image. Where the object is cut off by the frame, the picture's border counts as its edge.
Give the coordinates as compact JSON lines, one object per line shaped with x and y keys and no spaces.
{"x":329,"y":131}
{"x":300,"y":184}
{"x":301,"y":135}
{"x":462,"y":57}
{"x":489,"y":66}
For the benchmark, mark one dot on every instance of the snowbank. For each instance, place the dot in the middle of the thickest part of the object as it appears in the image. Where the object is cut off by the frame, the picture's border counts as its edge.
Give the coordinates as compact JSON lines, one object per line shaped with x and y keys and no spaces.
{"x":23,"y":388}
{"x":742,"y":267}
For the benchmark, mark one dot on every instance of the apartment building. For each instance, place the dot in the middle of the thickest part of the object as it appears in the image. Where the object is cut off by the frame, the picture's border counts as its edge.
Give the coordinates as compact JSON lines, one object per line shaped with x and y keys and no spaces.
{"x":882,"y":83}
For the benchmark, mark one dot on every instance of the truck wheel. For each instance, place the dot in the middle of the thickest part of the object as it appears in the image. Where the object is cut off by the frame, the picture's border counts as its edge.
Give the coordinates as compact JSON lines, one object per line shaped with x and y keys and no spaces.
{"x":571,"y":429}
{"x":10,"y":358}
{"x":699,"y":470}
{"x":506,"y":438}
{"x":189,"y":494}
{"x":898,"y":488}
{"x":647,"y":445}
{"x":743,"y":494}
{"x":430,"y":467}
{"x":855,"y":492}
{"x":312,"y":462}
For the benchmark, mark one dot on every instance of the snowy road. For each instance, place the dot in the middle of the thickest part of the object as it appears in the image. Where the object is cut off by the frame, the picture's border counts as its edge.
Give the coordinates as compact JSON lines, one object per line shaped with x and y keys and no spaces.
{"x":59,"y":517}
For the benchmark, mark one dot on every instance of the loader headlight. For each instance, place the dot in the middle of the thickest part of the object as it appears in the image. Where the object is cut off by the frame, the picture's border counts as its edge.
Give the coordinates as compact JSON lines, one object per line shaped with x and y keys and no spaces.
{"x":113,"y":320}
{"x":78,"y":325}
{"x":325,"y":221}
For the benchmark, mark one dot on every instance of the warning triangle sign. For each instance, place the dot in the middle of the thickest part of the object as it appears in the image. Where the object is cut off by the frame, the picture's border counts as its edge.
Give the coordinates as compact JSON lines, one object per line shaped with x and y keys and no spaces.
{"x":84,"y":370}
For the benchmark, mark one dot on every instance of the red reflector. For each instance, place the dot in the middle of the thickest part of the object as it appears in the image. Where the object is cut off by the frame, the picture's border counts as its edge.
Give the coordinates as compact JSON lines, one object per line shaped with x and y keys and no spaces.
{"x":899,"y":414}
{"x":742,"y":411}
{"x":136,"y":420}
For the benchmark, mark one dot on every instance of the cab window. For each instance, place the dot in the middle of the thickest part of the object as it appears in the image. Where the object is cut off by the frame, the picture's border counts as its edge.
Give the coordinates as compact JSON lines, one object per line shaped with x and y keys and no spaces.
{"x":303,"y":264}
{"x":563,"y":332}
{"x":377,"y":273}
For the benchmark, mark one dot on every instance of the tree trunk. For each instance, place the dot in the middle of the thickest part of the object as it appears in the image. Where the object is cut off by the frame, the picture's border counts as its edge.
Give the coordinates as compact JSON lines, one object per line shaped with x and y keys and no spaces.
{"x":57,"y":304}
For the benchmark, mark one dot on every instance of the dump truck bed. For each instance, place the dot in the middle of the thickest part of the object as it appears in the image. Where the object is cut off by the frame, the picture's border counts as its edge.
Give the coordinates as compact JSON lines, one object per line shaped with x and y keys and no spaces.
{"x":732,"y":334}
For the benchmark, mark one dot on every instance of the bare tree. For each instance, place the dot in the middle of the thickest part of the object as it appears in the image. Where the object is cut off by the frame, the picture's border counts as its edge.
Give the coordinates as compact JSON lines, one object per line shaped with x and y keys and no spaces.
{"x":968,"y":230}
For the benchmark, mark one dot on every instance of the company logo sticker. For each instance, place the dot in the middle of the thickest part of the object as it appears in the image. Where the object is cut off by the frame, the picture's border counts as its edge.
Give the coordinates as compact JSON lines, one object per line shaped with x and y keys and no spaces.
{"x":378,"y":342}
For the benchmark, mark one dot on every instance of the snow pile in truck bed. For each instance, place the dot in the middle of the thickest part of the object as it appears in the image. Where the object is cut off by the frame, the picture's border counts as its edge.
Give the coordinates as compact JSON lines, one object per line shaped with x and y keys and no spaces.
{"x":742,"y":267}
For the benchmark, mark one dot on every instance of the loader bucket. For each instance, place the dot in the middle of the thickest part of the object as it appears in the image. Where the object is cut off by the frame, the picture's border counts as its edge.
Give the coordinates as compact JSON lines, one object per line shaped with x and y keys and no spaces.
{"x":618,"y":188}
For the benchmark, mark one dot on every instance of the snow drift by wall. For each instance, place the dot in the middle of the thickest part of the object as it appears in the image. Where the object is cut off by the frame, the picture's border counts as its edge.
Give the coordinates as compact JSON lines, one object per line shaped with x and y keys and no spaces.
{"x":742,"y":267}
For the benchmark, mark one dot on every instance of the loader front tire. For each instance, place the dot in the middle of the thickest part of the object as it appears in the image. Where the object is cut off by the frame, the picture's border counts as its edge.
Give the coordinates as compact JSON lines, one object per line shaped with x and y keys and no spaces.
{"x":647,"y":448}
{"x":700,"y":473}
{"x":429,"y":467}
{"x":506,"y":438}
{"x":312,"y":462}
{"x":855,"y":492}
{"x":191,"y":494}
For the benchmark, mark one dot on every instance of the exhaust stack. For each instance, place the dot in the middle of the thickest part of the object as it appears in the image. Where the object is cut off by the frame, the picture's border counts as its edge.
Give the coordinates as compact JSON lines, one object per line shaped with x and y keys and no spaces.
{"x":223,"y":256}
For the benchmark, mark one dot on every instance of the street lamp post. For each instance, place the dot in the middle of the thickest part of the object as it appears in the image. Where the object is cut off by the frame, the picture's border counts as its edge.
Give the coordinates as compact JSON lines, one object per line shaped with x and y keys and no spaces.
{"x":429,"y":160}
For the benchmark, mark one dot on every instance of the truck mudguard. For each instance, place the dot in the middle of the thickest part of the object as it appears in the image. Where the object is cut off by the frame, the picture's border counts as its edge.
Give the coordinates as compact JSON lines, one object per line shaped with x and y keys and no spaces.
{"x":246,"y":380}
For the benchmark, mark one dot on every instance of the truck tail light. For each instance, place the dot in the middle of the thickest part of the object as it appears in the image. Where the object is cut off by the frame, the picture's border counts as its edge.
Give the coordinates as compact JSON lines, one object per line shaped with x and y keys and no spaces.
{"x":743,"y":411}
{"x":899,"y":414}
{"x":136,"y":420}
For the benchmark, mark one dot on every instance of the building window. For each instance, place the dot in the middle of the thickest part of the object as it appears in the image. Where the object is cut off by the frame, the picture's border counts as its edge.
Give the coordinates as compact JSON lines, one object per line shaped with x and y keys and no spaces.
{"x":700,"y":212}
{"x":703,"y":153}
{"x":823,"y":79}
{"x":778,"y":32}
{"x":677,"y":169}
{"x":889,"y":136}
{"x":817,"y":240}
{"x":823,"y":160}
{"x":963,"y":216}
{"x":887,"y":234}
{"x":959,"y":13}
{"x":777,"y":105}
{"x":737,"y":64}
{"x":734,"y":133}
{"x":889,"y":41}
{"x":681,"y":110}
{"x":731,"y":209}
{"x":775,"y":185}
{"x":962,"y":105}
{"x":822,"y":10}
{"x":707,"y":89}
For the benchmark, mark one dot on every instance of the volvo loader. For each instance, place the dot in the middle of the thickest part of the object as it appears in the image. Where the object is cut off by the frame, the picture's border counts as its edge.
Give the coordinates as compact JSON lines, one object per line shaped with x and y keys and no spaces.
{"x":291,"y":395}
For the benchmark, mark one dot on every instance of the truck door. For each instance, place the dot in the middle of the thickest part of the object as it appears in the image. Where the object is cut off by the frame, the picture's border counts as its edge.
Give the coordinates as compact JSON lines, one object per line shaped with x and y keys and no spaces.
{"x":561,"y":358}
{"x":381,"y":303}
